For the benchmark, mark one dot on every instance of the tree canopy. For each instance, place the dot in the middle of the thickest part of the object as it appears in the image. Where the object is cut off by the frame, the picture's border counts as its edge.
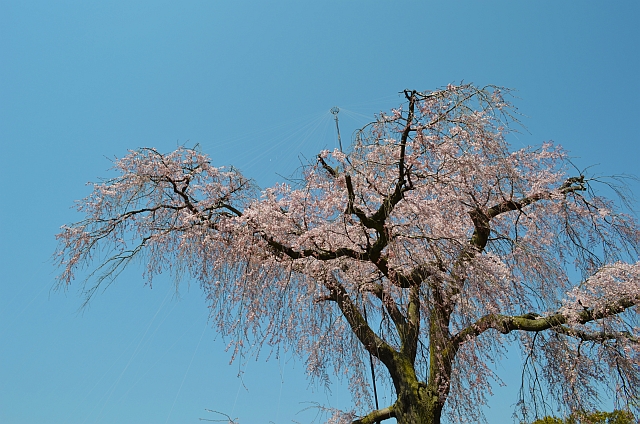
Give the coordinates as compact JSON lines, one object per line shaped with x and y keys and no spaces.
{"x":430,"y":244}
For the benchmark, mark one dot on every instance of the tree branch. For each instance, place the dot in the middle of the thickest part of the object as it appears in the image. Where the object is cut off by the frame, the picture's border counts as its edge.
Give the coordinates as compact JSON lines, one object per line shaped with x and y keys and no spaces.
{"x":369,"y":339}
{"x":481,"y":221}
{"x":329,"y":169}
{"x":390,"y":306}
{"x":594,"y":336}
{"x":377,"y":416}
{"x":535,"y":323}
{"x":378,"y":219}
{"x":410,"y":337}
{"x":323,"y":255}
{"x":481,"y":218}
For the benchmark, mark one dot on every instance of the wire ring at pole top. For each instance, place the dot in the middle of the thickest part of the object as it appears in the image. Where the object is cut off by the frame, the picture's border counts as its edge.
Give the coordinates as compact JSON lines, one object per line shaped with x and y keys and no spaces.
{"x":335,"y":110}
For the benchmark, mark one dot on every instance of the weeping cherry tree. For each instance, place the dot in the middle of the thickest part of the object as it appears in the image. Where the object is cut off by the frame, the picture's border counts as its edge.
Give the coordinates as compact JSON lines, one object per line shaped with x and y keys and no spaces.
{"x":430,"y":246}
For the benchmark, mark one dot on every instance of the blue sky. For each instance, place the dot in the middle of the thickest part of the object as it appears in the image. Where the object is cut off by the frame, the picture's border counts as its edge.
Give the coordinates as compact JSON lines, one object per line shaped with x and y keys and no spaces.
{"x":252,"y":83}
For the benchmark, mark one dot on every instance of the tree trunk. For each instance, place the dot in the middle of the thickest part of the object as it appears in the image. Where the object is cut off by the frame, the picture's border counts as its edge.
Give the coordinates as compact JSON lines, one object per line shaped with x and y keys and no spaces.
{"x":417,"y":403}
{"x":418,"y":408}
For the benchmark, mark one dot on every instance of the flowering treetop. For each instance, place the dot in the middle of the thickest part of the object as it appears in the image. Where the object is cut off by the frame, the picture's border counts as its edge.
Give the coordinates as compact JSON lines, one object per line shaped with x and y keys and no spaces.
{"x":430,"y":245}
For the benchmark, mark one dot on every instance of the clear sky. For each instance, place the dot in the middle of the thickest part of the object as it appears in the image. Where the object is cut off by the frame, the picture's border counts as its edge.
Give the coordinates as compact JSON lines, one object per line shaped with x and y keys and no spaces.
{"x":252,"y":83}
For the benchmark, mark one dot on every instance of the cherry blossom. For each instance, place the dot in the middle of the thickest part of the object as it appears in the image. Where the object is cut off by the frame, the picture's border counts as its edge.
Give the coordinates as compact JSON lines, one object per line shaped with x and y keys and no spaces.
{"x":430,"y":246}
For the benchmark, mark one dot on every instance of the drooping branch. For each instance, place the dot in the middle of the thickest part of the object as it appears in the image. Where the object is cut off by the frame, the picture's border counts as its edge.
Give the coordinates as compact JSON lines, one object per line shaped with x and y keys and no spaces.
{"x":536,"y":323}
{"x":155,"y":198}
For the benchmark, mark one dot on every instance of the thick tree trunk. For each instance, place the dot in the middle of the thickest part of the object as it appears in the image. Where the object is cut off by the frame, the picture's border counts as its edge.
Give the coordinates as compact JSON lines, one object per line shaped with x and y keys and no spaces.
{"x":417,"y":403}
{"x":420,"y":403}
{"x":418,"y":407}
